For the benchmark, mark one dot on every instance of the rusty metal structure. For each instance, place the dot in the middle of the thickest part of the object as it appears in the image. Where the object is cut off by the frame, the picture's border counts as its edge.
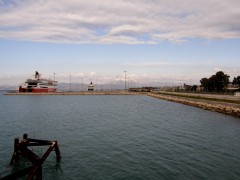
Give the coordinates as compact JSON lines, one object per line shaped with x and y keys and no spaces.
{"x":21,"y":148}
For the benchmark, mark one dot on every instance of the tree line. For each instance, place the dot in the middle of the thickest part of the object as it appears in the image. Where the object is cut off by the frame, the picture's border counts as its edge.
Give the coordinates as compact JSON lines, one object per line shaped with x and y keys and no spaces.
{"x":218,"y":82}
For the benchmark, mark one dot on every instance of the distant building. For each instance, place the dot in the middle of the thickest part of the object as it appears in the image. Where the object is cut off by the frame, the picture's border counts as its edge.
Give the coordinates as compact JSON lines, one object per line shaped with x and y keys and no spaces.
{"x":142,"y":89}
{"x":233,"y":88}
{"x":91,"y":87}
{"x":190,"y":88}
{"x":185,"y":87}
{"x":200,"y":88}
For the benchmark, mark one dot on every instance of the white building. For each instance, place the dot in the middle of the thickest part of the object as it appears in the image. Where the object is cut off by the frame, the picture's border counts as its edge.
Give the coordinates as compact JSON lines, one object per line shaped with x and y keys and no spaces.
{"x":91,"y":87}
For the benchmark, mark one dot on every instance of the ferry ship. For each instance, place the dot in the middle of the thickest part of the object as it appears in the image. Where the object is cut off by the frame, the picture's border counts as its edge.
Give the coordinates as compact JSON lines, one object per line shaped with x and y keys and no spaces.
{"x":38,"y":85}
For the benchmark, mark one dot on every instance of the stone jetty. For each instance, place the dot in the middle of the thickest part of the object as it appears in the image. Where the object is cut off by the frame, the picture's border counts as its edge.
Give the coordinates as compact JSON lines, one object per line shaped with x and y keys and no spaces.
{"x":225,"y":109}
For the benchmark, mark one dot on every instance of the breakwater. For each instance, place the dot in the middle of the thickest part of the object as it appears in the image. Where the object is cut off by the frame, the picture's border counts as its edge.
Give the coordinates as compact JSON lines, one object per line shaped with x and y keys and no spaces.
{"x":78,"y":93}
{"x":225,"y":109}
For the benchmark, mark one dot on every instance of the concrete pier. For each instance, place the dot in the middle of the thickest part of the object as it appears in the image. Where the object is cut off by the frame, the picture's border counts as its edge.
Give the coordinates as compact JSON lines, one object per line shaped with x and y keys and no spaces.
{"x":232,"y":109}
{"x":79,"y":93}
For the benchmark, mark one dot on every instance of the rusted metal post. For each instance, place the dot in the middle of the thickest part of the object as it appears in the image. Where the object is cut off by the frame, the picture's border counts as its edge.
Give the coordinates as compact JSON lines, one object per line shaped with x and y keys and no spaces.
{"x":57,"y":151}
{"x":15,"y":156}
{"x":35,"y":171}
{"x":25,"y":136}
{"x":39,"y":173}
{"x":31,"y":156}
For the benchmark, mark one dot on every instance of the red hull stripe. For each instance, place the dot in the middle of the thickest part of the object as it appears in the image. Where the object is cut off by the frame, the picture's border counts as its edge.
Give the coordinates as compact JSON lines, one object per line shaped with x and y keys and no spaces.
{"x":43,"y":90}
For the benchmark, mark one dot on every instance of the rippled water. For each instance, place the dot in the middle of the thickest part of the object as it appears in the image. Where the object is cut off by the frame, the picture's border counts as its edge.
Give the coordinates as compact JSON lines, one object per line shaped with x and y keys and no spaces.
{"x":123,"y":137}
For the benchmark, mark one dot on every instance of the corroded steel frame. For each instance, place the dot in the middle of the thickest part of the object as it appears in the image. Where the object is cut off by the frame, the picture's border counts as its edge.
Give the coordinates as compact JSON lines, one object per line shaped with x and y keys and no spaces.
{"x":22,"y":148}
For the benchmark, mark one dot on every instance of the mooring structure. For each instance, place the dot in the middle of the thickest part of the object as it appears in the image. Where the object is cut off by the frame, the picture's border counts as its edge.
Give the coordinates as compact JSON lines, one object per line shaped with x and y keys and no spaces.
{"x":21,"y":149}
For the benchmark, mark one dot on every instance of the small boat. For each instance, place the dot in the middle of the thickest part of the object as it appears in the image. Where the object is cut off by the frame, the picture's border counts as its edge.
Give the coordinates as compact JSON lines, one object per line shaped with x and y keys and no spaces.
{"x":38,"y":85}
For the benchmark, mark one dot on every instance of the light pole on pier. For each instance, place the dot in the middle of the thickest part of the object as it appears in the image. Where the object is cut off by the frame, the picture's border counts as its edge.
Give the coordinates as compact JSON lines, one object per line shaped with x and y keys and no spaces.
{"x":70,"y":83}
{"x":96,"y":84}
{"x":82,"y":83}
{"x":54,"y":81}
{"x":125,"y":81}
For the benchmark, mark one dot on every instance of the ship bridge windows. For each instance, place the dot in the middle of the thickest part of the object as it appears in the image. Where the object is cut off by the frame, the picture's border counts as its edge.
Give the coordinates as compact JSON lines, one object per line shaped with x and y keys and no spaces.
{"x":32,"y":84}
{"x":31,"y":87}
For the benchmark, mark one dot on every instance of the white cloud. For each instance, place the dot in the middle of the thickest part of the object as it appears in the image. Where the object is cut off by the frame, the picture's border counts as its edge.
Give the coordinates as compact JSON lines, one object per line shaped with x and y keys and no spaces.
{"x":107,"y":21}
{"x":231,"y":71}
{"x":92,"y":74}
{"x":217,"y":69}
{"x":80,"y":75}
{"x":156,"y":64}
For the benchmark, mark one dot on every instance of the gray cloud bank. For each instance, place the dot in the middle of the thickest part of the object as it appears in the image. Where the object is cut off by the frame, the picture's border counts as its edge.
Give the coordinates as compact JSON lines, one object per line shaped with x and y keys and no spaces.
{"x":122,"y":21}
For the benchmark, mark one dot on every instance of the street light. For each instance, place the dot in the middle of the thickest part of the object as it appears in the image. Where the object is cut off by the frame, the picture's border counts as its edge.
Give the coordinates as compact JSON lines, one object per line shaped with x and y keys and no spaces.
{"x":96,"y":84}
{"x":82,"y":83}
{"x":54,"y":81}
{"x":70,"y":80}
{"x":125,"y":81}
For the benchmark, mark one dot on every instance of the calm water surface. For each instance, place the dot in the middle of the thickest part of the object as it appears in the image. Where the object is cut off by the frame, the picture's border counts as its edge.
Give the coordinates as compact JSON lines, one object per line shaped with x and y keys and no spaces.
{"x":122,"y":137}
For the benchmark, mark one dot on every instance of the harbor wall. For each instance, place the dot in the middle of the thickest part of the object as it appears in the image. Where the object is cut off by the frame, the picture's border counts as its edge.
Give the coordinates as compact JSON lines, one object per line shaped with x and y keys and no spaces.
{"x":78,"y":93}
{"x":225,"y":109}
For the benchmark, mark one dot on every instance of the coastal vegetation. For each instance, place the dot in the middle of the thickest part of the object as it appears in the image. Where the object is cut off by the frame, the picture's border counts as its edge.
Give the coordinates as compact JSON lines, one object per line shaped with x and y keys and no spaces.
{"x":217,"y":82}
{"x":236,"y":81}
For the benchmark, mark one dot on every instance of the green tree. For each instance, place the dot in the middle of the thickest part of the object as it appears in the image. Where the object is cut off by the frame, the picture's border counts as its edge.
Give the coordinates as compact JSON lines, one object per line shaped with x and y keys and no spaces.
{"x":205,"y":83}
{"x":221,"y":81}
{"x":216,"y":82}
{"x":236,"y":81}
{"x":194,"y":88}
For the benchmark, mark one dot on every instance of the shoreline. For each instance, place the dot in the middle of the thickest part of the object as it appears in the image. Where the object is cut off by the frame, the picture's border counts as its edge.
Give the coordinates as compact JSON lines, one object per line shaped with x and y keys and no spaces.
{"x":215,"y":106}
{"x":220,"y":108}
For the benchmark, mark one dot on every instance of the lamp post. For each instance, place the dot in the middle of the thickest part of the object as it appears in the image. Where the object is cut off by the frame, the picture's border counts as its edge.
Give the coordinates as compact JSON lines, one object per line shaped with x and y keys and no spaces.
{"x":70,"y":80}
{"x":96,"y":84}
{"x":82,"y":83}
{"x":54,"y":81}
{"x":125,"y":81}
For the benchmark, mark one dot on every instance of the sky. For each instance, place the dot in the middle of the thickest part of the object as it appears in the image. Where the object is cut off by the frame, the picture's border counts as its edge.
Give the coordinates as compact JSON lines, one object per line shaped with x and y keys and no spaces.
{"x":160,"y":41}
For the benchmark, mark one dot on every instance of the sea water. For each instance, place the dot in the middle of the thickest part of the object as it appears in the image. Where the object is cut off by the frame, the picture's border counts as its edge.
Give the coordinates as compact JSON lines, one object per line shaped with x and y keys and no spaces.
{"x":122,"y":137}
